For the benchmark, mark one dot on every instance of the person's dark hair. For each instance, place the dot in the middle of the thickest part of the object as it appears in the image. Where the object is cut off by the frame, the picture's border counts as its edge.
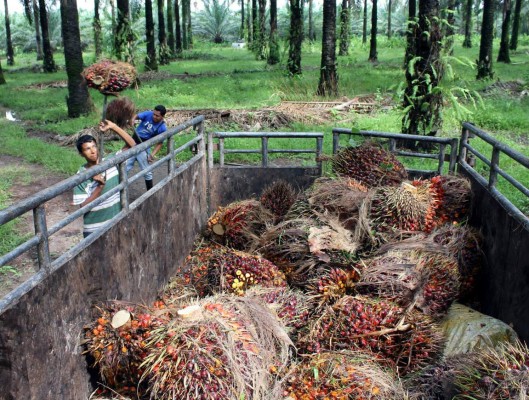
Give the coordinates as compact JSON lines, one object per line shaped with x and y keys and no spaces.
{"x":82,"y":140}
{"x":121,"y":111}
{"x":160,"y":108}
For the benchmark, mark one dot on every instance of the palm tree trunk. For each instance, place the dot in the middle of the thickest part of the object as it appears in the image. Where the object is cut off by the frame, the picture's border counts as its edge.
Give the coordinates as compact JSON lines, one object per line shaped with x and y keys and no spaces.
{"x":98,"y":40}
{"x":390,"y":6}
{"x":162,"y":40}
{"x":328,"y":84}
{"x":503,"y":54}
{"x":249,"y":27}
{"x":373,"y":54}
{"x":178,"y":29}
{"x":78,"y":100}
{"x":2,"y":79}
{"x":255,"y":28}
{"x":48,"y":62}
{"x":241,"y":34}
{"x":364,"y":24}
{"x":273,"y":56}
{"x":422,"y":102}
{"x":312,"y":32}
{"x":10,"y":53}
{"x":487,"y":35}
{"x":516,"y":25}
{"x":295,"y":37}
{"x":189,"y":28}
{"x":38,"y":39}
{"x":411,"y":47}
{"x":345,"y":28}
{"x":123,"y":40}
{"x":170,"y":29}
{"x":185,"y":41}
{"x":451,"y":20}
{"x":468,"y":25}
{"x":261,"y":48}
{"x":151,"y":64}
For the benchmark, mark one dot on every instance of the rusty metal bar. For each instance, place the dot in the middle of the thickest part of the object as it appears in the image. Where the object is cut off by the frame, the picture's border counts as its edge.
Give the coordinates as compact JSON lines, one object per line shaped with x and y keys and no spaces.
{"x":123,"y":178}
{"x":170,"y":151}
{"x":453,"y":157}
{"x":441,"y":158}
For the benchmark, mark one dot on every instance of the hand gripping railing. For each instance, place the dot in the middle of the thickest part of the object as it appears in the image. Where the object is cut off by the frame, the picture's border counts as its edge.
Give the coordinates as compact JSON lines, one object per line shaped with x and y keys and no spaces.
{"x":264,"y":150}
{"x":394,"y":137}
{"x":36,"y":203}
{"x":498,"y":148}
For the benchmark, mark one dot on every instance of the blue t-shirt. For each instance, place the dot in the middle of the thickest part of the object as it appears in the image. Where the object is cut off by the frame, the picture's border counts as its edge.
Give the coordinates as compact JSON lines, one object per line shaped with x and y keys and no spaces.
{"x":147,"y":129}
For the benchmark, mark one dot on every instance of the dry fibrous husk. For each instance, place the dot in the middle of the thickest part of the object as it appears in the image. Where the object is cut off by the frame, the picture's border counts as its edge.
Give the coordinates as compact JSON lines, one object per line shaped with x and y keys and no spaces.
{"x":341,"y":197}
{"x":293,"y":307}
{"x":500,"y":373}
{"x":342,"y":375}
{"x":428,"y":280}
{"x":278,"y":197}
{"x":404,"y":338}
{"x":370,"y":165}
{"x":239,"y":223}
{"x":236,"y":348}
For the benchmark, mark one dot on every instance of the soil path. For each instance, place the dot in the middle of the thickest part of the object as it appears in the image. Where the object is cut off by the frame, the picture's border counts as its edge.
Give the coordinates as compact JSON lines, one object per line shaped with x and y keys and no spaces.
{"x":28,"y":180}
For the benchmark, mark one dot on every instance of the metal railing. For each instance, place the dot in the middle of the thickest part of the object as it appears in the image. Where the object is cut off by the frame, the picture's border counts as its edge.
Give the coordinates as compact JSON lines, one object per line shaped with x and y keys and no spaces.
{"x":441,"y":156}
{"x":493,"y":163}
{"x":37,"y":202}
{"x":264,"y":150}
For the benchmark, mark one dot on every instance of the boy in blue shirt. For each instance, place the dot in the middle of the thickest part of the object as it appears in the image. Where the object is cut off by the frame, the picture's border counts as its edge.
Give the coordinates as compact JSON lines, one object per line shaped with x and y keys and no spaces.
{"x":151,"y":125}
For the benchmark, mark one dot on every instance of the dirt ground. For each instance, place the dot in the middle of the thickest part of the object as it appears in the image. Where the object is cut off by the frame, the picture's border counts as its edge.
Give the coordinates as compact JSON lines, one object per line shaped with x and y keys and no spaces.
{"x":32,"y":179}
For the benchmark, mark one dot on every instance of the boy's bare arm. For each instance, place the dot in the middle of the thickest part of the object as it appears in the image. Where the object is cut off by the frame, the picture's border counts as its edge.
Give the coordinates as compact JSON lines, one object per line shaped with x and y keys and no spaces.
{"x":106,"y":125}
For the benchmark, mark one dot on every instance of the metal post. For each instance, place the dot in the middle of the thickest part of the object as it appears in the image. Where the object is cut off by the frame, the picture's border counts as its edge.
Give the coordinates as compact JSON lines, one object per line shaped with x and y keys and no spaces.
{"x":494,"y":161}
{"x":392,"y":145}
{"x":453,"y":156}
{"x":462,"y":144}
{"x":210,"y":149}
{"x":41,"y":230}
{"x":441,"y":158}
{"x":319,"y":149}
{"x":202,"y":143}
{"x":123,"y":178}
{"x":221,"y":152}
{"x":170,"y":151}
{"x":335,"y":142}
{"x":264,"y":151}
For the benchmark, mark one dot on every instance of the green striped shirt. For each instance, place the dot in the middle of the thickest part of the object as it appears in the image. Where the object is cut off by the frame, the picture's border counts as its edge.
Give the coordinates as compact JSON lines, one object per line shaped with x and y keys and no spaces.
{"x":105,"y":211}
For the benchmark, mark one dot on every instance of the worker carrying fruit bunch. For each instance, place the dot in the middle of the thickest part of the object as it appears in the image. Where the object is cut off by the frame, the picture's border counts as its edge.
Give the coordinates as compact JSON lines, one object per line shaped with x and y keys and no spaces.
{"x":151,"y":124}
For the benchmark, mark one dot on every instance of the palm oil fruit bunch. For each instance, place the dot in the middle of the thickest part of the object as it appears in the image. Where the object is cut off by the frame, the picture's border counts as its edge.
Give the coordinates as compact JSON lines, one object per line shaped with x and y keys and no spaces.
{"x":187,"y":364}
{"x":341,"y":376}
{"x":117,"y":342}
{"x":370,"y":165}
{"x":237,"y":224}
{"x":235,"y":271}
{"x":495,"y":373}
{"x":441,"y":286}
{"x":407,"y":340}
{"x":430,"y":280}
{"x":402,"y":208}
{"x":456,"y":197}
{"x":109,"y":76}
{"x":464,"y":244}
{"x":197,"y":265}
{"x":278,"y":198}
{"x":332,"y":285}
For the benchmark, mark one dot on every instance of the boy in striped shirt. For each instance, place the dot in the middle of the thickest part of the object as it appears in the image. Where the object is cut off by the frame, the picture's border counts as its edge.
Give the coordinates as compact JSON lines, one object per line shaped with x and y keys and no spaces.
{"x":91,"y":189}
